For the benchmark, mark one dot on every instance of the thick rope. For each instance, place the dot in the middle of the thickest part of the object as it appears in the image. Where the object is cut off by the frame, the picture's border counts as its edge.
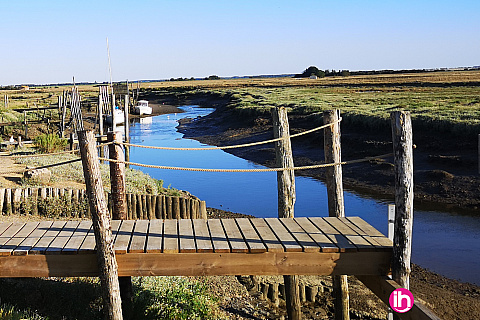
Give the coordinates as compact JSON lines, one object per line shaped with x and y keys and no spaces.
{"x":52,"y":154}
{"x":42,"y":167}
{"x":235,"y":146}
{"x":315,"y":166}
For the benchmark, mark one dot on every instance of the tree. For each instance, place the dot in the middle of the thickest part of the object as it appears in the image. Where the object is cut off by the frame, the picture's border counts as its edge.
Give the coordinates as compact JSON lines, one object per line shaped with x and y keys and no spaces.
{"x":312,"y":70}
{"x":213,"y":77}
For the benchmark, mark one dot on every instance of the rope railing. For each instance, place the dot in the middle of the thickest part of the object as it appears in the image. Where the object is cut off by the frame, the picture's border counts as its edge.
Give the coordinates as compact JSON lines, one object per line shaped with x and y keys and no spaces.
{"x":238,"y":145}
{"x":21,"y":171}
{"x":315,"y":166}
{"x":37,"y":155}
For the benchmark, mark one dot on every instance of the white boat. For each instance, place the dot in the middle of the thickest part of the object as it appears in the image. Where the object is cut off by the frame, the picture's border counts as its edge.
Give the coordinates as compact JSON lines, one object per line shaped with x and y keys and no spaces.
{"x":119,"y":117}
{"x":142,"y":108}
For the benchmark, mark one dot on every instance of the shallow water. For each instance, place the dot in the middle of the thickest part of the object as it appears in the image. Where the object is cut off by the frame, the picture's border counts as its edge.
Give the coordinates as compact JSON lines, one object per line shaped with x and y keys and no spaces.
{"x":442,"y":242}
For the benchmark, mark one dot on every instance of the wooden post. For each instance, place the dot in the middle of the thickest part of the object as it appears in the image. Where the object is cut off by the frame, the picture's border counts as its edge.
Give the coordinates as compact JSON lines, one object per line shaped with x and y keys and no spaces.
{"x":335,"y":202}
{"x":119,"y":209}
{"x":117,"y":176}
{"x":114,"y":124}
{"x":127,"y":130}
{"x":25,"y":122}
{"x":101,"y":226}
{"x":286,"y":199}
{"x":100,"y":114}
{"x":125,"y":111}
{"x":72,"y":141}
{"x":391,"y":221}
{"x":403,"y":160}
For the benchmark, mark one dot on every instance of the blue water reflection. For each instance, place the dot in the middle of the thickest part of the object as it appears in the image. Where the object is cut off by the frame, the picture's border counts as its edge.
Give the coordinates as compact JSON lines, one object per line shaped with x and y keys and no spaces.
{"x":445,"y":243}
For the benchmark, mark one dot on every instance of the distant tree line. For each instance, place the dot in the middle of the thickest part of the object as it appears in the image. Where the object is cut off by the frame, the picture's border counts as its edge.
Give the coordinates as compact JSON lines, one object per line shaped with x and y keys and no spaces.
{"x":314,"y":71}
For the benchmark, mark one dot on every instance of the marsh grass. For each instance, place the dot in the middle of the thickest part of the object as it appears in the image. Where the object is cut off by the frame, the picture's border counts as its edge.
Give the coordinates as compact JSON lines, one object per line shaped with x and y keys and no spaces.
{"x":447,"y":102}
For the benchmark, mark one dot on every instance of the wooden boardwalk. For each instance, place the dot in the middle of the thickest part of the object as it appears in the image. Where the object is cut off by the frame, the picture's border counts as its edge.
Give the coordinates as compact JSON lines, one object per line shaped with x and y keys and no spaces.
{"x":321,"y":246}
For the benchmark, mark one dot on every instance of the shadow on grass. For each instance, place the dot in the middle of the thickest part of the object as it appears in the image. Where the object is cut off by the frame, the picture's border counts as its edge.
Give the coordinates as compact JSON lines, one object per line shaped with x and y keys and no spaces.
{"x":54,"y":298}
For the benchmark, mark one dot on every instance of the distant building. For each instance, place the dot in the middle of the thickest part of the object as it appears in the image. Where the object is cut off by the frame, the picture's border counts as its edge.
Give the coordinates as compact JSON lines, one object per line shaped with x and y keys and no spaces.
{"x":313,"y":77}
{"x":25,"y":88}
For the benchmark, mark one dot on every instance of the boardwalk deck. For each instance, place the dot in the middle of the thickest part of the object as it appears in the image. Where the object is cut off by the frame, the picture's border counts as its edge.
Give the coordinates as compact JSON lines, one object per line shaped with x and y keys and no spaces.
{"x":322,"y":246}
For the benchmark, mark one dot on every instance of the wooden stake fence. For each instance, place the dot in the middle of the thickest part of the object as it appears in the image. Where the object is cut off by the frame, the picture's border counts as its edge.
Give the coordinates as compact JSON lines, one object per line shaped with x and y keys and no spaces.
{"x":286,"y":199}
{"x":37,"y":198}
{"x":332,"y":151}
{"x":101,"y":226}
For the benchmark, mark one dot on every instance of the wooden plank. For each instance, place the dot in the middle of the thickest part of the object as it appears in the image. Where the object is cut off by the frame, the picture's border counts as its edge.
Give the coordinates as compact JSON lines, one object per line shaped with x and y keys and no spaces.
{"x":89,"y":244}
{"x":255,"y":244}
{"x":365,"y":227}
{"x":361,"y":233}
{"x":317,"y":235}
{"x":124,"y":234}
{"x":4,"y":226}
{"x":170,"y":236}
{"x":360,"y":242}
{"x":287,"y":240}
{"x":75,"y":242}
{"x":368,"y":232}
{"x":268,"y":237}
{"x":7,"y":248}
{"x":185,"y":235}
{"x":33,"y":238}
{"x":219,"y":239}
{"x":202,"y":236}
{"x":155,"y":236}
{"x":299,"y":234}
{"x":235,"y":238}
{"x":139,"y":237}
{"x":11,"y":231}
{"x":57,"y":245}
{"x":44,"y":242}
{"x":333,"y":234}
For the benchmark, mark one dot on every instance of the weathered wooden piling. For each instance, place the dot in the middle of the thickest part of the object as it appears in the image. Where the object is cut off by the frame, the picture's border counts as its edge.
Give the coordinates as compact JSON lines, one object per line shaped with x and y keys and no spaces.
{"x":332,"y":149}
{"x":403,"y":159}
{"x":119,"y":208}
{"x":286,"y":198}
{"x":101,"y":226}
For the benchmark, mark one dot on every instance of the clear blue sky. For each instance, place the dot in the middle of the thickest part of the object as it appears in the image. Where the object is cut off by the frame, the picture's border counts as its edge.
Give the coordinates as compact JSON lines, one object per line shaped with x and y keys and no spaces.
{"x":51,"y":41}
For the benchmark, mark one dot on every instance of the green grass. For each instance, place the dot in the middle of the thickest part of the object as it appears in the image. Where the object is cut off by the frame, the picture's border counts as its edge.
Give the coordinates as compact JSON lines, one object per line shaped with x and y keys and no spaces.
{"x":80,"y":298}
{"x":9,"y":312}
{"x":446,"y":109}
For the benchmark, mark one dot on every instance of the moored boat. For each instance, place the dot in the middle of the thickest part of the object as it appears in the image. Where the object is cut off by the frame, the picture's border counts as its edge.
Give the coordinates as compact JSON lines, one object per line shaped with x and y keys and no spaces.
{"x":142,"y":108}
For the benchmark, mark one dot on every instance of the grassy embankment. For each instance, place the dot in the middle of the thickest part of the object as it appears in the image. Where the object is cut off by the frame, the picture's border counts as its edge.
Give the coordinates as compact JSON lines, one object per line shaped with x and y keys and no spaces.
{"x":445,"y":101}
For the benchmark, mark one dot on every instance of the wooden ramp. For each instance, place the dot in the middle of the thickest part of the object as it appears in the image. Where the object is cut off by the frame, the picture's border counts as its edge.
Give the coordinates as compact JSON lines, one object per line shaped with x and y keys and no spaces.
{"x":307,"y":246}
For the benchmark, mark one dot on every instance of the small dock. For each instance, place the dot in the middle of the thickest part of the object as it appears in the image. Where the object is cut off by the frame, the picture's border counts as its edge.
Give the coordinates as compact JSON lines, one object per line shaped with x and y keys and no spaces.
{"x":188,"y":247}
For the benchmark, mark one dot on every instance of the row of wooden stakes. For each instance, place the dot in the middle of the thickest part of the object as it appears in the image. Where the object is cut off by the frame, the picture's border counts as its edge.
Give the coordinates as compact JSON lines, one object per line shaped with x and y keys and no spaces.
{"x":139,"y":206}
{"x":276,"y":291}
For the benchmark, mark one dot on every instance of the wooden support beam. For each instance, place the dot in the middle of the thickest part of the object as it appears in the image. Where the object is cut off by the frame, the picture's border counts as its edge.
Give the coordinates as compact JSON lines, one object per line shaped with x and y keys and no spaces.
{"x":101,"y":226}
{"x":383,"y":286}
{"x":286,"y":199}
{"x":336,"y":208}
{"x":199,"y":264}
{"x":403,"y":160}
